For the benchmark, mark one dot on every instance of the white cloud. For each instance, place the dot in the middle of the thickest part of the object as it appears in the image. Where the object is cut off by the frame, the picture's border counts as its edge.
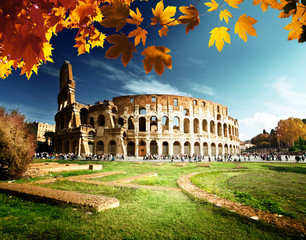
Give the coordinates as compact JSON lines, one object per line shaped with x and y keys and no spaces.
{"x":203,"y":89}
{"x":196,"y":61}
{"x":53,"y":72}
{"x":151,"y":87}
{"x":252,"y":126}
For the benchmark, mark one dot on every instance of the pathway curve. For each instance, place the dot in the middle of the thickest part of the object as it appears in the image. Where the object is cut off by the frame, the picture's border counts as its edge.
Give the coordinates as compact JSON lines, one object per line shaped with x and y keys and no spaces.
{"x":287,"y":223}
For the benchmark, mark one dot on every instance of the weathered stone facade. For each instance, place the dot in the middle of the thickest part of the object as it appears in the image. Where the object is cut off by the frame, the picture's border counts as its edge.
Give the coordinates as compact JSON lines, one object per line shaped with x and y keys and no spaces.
{"x":137,"y":125}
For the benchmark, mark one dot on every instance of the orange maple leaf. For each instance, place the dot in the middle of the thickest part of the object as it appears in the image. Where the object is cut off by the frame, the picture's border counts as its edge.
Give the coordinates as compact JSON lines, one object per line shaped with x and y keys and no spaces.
{"x":163,"y":31}
{"x":139,"y":34}
{"x":115,"y":15}
{"x":163,"y":16}
{"x":191,"y":17}
{"x":218,"y":36}
{"x":122,"y":46}
{"x":296,"y":30}
{"x":136,"y":17}
{"x":264,"y":5}
{"x":244,"y":26}
{"x":234,"y":3}
{"x":157,"y":56}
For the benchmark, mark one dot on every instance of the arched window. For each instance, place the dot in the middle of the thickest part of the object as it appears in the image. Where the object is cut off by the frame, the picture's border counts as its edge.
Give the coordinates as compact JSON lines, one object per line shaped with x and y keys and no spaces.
{"x":142,"y":111}
{"x":205,"y":149}
{"x":187,"y":148}
{"x":186,"y":125}
{"x":196,"y":125}
{"x":100,"y":147}
{"x":142,"y":124}
{"x":176,"y":124}
{"x":153,"y":148}
{"x":212,"y":127}
{"x":165,"y":123}
{"x":186,"y":112}
{"x":131,"y":148}
{"x":197,"y":148}
{"x":84,"y":114}
{"x":120,"y":122}
{"x":213,"y":149}
{"x":165,"y":148}
{"x":153,"y":124}
{"x":204,"y":125}
{"x":112,"y":147}
{"x":176,"y":148}
{"x":101,"y":120}
{"x":225,"y":130}
{"x":114,"y":110}
{"x":220,"y":149}
{"x":131,"y":125}
{"x":219,"y":126}
{"x":92,"y":122}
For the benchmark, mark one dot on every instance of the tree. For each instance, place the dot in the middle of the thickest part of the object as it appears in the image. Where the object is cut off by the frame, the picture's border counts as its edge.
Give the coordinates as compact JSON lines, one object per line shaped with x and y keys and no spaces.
{"x":27,"y":27}
{"x":17,"y":144}
{"x":289,"y":130}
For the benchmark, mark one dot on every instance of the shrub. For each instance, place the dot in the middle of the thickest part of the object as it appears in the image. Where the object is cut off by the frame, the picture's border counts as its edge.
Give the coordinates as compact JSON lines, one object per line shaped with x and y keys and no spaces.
{"x":17,"y":144}
{"x":303,"y":147}
{"x":292,"y":149}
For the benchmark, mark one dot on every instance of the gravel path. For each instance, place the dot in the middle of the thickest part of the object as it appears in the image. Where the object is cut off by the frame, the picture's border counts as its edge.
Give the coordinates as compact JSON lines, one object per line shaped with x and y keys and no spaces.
{"x":287,"y":223}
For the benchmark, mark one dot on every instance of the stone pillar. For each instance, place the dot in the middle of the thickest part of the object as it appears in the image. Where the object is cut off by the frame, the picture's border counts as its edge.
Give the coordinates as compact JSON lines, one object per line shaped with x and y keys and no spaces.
{"x":159,"y":147}
{"x":170,"y":147}
{"x":191,"y":148}
{"x":136,"y":148}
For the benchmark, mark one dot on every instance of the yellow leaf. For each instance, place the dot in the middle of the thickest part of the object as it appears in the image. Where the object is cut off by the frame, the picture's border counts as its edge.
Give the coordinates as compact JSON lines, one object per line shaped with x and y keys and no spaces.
{"x":296,"y":30}
{"x":234,"y":3}
{"x":136,"y":17}
{"x":225,"y":14}
{"x":157,"y":56}
{"x":213,"y":5}
{"x":244,"y":26}
{"x":163,"y":16}
{"x":218,"y":36}
{"x":264,"y":5}
{"x":191,"y":18}
{"x":139,"y":34}
{"x":163,"y":31}
{"x":300,"y":14}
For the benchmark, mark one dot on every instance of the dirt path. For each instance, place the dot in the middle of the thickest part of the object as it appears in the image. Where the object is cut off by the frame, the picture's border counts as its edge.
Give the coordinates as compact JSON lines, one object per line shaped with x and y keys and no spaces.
{"x":287,"y":223}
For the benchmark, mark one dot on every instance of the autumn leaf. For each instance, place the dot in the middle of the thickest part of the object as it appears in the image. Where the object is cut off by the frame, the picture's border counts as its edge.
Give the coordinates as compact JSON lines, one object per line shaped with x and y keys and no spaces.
{"x":122,"y":46}
{"x":191,"y":17}
{"x":163,"y":31}
{"x":225,"y":14}
{"x":115,"y":15}
{"x":82,"y":45}
{"x":264,"y":5}
{"x":213,"y":5}
{"x":139,"y":34}
{"x":157,"y":56}
{"x":300,"y":14}
{"x":163,"y":16}
{"x":296,"y":30}
{"x":234,"y":3}
{"x":136,"y":17}
{"x":244,"y":26}
{"x":218,"y":36}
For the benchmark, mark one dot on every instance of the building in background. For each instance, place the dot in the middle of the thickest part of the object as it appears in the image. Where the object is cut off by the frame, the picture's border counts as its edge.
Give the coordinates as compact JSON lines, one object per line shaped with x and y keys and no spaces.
{"x":40,"y":129}
{"x":138,"y":125}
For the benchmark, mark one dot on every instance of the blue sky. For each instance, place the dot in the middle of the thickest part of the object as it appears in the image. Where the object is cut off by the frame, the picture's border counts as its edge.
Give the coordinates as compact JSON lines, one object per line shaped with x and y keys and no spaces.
{"x":260,"y":81}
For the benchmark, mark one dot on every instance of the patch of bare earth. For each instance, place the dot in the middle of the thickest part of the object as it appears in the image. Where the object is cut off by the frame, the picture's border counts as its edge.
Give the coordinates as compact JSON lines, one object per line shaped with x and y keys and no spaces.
{"x":287,"y":223}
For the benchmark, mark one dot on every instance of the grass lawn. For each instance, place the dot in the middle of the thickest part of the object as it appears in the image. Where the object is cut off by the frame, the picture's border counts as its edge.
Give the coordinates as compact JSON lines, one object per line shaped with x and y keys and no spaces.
{"x":143,"y":214}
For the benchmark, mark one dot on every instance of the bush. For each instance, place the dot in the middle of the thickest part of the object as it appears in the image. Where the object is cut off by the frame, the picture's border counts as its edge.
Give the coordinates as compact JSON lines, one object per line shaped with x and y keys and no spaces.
{"x":303,"y":147}
{"x":17,"y":145}
{"x":292,"y":149}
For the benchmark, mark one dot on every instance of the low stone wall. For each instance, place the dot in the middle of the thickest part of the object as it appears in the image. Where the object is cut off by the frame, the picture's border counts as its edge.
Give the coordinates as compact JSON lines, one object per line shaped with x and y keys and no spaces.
{"x":98,"y":203}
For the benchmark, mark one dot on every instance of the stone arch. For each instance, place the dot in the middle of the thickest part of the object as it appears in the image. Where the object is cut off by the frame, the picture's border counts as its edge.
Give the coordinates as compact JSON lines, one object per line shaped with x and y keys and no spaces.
{"x":205,"y":149}
{"x":218,"y":117}
{"x":186,"y":112}
{"x":114,"y":110}
{"x":92,"y":122}
{"x":142,"y":124}
{"x":225,"y":130}
{"x":219,"y":127}
{"x":176,"y":124}
{"x":165,"y":123}
{"x":186,"y":125}
{"x":187,"y":148}
{"x":84,"y":115}
{"x":231,"y":149}
{"x":100,"y":147}
{"x":165,"y":148}
{"x":197,"y":148}
{"x":67,"y":146}
{"x":230,"y":130}
{"x":212,"y":127}
{"x":120,"y":122}
{"x":131,"y":125}
{"x":204,"y":125}
{"x":153,"y":124}
{"x":176,"y":148}
{"x":196,"y":128}
{"x":153,"y":147}
{"x":142,"y":148}
{"x":233,"y":132}
{"x":131,"y":148}
{"x":112,"y":145}
{"x":142,"y":111}
{"x":101,"y":120}
{"x":213,"y":149}
{"x":226,"y":149}
{"x":220,"y":149}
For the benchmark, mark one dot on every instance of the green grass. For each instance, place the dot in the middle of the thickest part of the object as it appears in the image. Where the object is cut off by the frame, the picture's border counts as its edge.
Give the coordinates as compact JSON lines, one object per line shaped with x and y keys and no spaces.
{"x":278,"y":188}
{"x":143,"y":214}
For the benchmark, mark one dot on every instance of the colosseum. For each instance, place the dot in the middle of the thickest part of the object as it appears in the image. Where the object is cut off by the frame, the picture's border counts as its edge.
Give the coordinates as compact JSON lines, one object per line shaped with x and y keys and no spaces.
{"x":139,"y":125}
